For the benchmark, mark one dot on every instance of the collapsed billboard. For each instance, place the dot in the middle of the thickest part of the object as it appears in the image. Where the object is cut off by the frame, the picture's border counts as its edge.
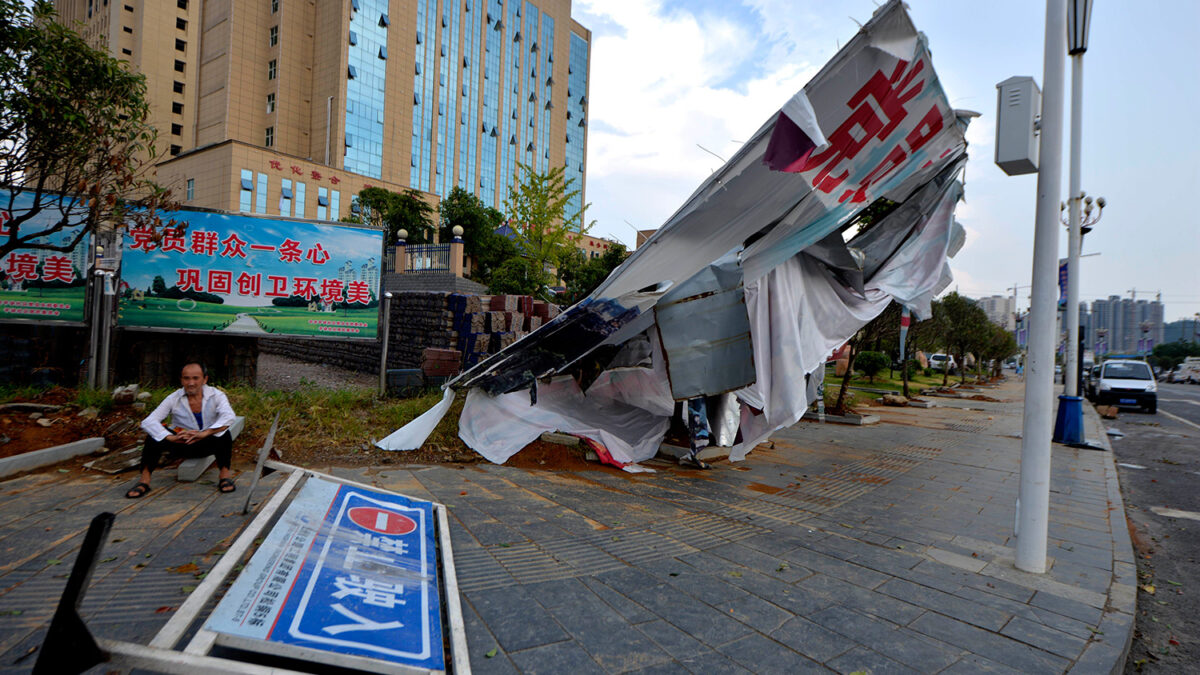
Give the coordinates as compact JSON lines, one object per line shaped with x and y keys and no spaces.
{"x":253,"y":276}
{"x":38,"y":284}
{"x":757,"y":276}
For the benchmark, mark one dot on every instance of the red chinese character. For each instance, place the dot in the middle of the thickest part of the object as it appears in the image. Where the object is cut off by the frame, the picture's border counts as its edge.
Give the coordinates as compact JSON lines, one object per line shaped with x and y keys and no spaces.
{"x":317,"y":255}
{"x":234,"y":247}
{"x":188,"y":280}
{"x":367,"y":185}
{"x":205,"y":243}
{"x":316,"y":175}
{"x":58,"y":268}
{"x":143,"y":239}
{"x":172,"y":240}
{"x":331,"y":290}
{"x":22,"y":267}
{"x":289,"y":251}
{"x":864,"y":124}
{"x":275,"y":164}
{"x":278,"y":286}
{"x":334,"y":179}
{"x":249,"y":284}
{"x":297,"y":170}
{"x":220,"y":281}
{"x":304,"y":287}
{"x":358,"y":291}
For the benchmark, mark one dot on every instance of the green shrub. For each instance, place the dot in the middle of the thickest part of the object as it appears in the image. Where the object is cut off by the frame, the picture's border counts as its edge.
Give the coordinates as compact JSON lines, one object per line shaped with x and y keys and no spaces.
{"x":871,"y":363}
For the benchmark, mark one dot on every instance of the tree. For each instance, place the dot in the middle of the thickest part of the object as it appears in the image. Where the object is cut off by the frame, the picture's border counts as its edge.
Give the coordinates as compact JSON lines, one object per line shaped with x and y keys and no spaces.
{"x":1169,"y":355}
{"x":536,"y":209}
{"x":519,"y":275}
{"x":487,"y":249}
{"x":1000,"y":345}
{"x":72,"y":121}
{"x":881,"y":328}
{"x":395,"y":211}
{"x":582,"y":274}
{"x":873,"y":362}
{"x":967,"y":328}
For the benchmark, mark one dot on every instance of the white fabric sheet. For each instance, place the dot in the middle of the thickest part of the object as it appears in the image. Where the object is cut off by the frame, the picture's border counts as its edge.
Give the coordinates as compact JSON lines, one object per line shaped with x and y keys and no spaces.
{"x":413,"y":435}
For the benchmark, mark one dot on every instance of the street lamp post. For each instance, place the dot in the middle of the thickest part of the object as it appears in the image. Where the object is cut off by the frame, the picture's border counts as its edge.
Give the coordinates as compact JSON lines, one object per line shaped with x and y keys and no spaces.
{"x":1069,"y":426}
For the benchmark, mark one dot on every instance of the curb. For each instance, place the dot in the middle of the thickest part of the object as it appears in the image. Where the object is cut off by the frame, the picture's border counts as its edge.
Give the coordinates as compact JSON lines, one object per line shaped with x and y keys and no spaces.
{"x":47,"y":456}
{"x":1109,"y":647}
{"x":854,"y":420}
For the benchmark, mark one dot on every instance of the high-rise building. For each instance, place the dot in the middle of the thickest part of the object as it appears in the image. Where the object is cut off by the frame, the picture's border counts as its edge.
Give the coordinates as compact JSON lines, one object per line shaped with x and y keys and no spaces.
{"x":290,"y":107}
{"x":1123,"y":325}
{"x":1000,"y":309}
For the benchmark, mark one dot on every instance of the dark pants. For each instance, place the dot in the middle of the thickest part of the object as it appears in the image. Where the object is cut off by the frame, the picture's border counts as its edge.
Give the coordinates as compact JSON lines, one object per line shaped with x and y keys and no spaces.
{"x":219,"y":445}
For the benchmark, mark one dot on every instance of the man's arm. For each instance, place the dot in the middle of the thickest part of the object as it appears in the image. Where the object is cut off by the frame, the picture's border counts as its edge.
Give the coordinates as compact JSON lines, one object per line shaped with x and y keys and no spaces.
{"x":224,"y":412}
{"x":153,"y":424}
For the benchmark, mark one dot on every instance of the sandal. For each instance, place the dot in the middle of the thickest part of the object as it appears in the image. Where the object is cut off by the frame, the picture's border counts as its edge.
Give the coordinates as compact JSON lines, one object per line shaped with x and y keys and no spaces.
{"x":137,"y":491}
{"x":225,"y":483}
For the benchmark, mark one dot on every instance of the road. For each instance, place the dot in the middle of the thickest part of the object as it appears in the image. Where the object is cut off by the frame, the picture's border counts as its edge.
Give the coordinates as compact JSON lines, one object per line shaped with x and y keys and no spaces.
{"x":1158,"y":459}
{"x":244,"y":324}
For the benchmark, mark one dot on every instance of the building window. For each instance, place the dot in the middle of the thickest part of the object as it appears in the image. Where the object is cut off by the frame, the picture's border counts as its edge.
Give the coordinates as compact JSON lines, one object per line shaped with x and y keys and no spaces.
{"x":273,"y":35}
{"x":191,"y":189}
{"x":353,"y":38}
{"x":285,"y":197}
{"x":246,"y":200}
{"x":299,"y":199}
{"x":271,"y":70}
{"x":176,"y":129}
{"x":260,"y":195}
{"x":180,"y":45}
{"x":127,"y":29}
{"x":181,"y":24}
{"x":182,"y":4}
{"x":177,"y":88}
{"x":126,"y":51}
{"x":274,"y":6}
{"x":177,"y":108}
{"x":352,"y":71}
{"x":270,"y":137}
{"x":270,"y":103}
{"x":128,"y":8}
{"x":179,"y":66}
{"x":175,"y":150}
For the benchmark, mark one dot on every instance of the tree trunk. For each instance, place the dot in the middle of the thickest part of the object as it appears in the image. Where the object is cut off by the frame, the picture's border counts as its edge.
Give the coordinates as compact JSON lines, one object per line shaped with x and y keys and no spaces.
{"x":904,"y":376}
{"x":839,"y":407}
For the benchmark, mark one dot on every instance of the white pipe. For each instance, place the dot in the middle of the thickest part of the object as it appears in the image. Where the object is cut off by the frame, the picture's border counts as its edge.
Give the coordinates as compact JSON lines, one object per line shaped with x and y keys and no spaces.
{"x":328,"y":123}
{"x":1075,"y":233}
{"x":1033,"y":505}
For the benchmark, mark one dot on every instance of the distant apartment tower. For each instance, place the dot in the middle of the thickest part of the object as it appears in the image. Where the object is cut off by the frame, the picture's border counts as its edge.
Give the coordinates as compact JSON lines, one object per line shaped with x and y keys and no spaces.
{"x":1125,"y":322}
{"x":1000,"y":310}
{"x":290,"y":107}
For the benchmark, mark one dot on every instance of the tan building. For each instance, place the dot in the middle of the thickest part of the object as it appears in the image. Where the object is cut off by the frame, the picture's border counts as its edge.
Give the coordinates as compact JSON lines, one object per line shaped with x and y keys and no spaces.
{"x":290,"y":107}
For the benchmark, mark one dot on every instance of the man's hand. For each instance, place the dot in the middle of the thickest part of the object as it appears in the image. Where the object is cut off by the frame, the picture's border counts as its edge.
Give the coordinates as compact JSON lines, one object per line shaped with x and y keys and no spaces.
{"x":190,"y":436}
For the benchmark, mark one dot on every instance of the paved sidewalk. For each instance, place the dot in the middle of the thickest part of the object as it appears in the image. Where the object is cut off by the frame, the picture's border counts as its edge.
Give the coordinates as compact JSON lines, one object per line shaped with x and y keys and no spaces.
{"x":885,"y":549}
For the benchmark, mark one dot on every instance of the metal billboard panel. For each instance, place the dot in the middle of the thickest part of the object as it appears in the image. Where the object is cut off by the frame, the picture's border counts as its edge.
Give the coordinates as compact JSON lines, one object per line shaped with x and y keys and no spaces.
{"x":252,"y":275}
{"x":348,"y":576}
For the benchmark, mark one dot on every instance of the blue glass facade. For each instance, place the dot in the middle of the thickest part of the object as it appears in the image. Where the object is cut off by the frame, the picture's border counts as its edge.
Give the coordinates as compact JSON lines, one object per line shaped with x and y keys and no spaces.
{"x":448,"y":96}
{"x":366,"y":76}
{"x":469,"y":132}
{"x":424,"y":101}
{"x":511,"y":99}
{"x":577,"y":80}
{"x":490,"y":136}
{"x":529,"y":88}
{"x":546,"y":97}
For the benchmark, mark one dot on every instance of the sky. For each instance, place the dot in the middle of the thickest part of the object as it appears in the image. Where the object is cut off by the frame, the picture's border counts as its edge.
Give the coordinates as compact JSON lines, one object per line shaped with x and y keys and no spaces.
{"x":674,"y":82}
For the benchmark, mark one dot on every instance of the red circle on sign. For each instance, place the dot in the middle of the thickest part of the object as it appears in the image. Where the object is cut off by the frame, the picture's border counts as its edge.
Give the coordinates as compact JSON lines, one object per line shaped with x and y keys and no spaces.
{"x":381,"y":520}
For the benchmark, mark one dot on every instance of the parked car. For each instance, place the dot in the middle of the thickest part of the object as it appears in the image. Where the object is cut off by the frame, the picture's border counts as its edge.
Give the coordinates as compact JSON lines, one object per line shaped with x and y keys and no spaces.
{"x":938,"y":362}
{"x":1127,"y":383}
{"x":1090,"y":379}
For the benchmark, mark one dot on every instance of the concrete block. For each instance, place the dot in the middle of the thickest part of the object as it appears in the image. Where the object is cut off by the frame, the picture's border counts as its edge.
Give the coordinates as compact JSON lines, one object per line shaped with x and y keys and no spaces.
{"x":48,"y":456}
{"x":192,"y":468}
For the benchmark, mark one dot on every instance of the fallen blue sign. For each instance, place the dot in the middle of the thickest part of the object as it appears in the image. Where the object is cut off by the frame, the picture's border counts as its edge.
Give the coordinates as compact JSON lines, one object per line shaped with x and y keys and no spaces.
{"x":347,"y":576}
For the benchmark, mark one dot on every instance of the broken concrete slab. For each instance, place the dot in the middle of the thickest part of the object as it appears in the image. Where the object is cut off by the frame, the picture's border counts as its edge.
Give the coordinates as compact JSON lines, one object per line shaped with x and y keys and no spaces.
{"x":48,"y":456}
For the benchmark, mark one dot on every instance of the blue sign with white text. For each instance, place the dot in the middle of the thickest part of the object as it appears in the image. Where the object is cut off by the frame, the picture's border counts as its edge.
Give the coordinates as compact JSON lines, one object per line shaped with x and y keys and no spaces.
{"x":346,"y":570}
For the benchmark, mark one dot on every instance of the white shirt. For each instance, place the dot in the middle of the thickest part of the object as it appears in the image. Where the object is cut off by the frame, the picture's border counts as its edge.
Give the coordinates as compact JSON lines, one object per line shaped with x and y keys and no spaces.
{"x":215,"y":412}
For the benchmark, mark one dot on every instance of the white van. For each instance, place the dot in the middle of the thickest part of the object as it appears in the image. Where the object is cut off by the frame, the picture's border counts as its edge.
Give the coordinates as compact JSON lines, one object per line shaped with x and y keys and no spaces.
{"x":1127,"y":383}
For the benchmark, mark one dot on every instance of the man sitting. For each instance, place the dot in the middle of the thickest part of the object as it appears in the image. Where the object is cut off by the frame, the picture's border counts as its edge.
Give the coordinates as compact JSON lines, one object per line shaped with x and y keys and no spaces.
{"x":200,"y":418}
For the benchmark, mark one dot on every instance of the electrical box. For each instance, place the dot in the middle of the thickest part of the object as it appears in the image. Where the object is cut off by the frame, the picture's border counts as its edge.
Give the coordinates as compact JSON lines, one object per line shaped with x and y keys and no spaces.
{"x":1018,"y":108}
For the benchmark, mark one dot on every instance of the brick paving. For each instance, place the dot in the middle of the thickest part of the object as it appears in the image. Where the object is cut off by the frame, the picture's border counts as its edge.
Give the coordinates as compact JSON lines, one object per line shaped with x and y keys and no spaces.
{"x":881,"y":549}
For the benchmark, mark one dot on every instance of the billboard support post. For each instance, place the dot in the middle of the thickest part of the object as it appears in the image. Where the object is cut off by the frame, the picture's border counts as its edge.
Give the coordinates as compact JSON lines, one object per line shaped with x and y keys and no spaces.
{"x":106,"y":295}
{"x":94,"y":343}
{"x":385,"y":336}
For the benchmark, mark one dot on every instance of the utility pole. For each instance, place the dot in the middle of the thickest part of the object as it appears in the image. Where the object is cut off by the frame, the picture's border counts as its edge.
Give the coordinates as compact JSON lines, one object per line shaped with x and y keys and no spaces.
{"x":1033,"y":506}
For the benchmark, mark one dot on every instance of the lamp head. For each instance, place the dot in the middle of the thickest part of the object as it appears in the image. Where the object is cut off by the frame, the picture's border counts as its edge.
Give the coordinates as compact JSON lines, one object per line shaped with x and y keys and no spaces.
{"x":402,"y":234}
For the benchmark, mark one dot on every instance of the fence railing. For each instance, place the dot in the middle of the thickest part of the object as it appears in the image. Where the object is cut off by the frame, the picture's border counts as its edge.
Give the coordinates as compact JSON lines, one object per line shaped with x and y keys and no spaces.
{"x":427,"y":258}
